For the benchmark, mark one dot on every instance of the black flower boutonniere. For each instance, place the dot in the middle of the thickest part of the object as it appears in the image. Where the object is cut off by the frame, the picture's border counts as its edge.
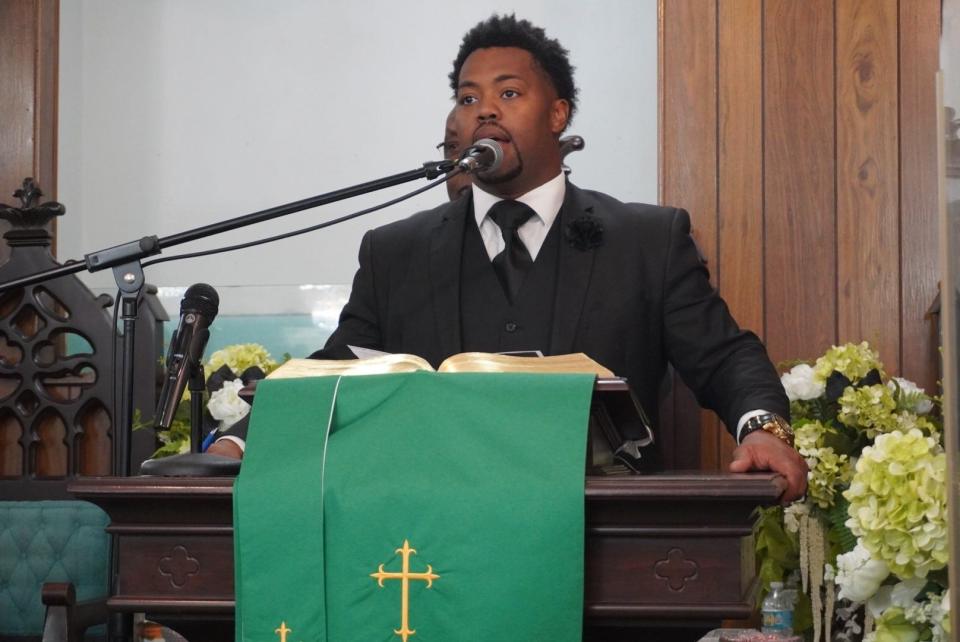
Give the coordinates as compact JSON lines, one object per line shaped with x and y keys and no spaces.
{"x":584,"y":233}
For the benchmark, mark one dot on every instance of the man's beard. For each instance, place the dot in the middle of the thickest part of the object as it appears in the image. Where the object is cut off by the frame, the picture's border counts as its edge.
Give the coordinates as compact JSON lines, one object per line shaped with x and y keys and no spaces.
{"x":505,"y":177}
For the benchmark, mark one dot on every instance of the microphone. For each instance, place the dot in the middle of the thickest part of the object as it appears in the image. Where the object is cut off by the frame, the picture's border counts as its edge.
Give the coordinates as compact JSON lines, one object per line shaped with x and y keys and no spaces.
{"x":569,"y":144}
{"x":485,"y":154}
{"x":197,"y":311}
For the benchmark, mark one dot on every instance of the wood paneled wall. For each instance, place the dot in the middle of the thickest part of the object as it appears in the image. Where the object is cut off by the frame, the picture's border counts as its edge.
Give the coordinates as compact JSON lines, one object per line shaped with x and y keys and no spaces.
{"x":801,"y":137}
{"x":29,"y":37}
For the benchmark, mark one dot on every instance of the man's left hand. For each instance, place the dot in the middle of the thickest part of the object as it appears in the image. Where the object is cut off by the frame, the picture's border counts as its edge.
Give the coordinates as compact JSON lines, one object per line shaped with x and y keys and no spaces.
{"x":762,"y":451}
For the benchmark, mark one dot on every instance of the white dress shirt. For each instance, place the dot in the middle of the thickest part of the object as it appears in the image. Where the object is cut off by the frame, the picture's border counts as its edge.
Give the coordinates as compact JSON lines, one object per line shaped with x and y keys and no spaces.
{"x":545,"y":201}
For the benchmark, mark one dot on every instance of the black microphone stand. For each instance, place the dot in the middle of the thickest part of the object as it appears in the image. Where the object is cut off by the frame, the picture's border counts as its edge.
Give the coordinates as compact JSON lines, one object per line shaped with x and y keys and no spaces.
{"x":197,"y":386}
{"x":125,"y":260}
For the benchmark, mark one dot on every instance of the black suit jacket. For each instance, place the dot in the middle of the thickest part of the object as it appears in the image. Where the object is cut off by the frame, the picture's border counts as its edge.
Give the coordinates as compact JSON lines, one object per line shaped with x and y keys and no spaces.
{"x":640,"y":299}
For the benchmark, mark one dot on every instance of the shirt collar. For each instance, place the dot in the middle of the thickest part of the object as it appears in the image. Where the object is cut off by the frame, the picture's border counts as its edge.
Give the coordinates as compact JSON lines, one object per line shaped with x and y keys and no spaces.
{"x":545,"y":200}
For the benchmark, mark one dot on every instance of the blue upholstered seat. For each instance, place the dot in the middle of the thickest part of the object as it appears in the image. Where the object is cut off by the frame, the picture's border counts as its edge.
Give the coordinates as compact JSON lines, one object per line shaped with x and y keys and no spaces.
{"x":48,"y":541}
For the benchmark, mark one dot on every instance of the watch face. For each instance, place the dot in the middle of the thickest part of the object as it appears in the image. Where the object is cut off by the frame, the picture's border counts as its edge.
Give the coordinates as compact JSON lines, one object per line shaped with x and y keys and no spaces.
{"x":782,"y":423}
{"x":778,"y":427}
{"x":771,"y":423}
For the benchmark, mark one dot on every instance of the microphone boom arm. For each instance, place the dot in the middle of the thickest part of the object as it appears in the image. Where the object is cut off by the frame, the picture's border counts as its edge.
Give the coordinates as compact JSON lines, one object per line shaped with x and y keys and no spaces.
{"x":134,"y":251}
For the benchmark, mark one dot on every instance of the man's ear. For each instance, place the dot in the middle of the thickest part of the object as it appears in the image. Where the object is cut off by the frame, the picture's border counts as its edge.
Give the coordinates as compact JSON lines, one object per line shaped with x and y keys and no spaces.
{"x":559,"y":115}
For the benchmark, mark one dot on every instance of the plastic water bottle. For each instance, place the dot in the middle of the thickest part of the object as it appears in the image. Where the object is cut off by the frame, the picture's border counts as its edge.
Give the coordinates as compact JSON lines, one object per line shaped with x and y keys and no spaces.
{"x":777,"y":612}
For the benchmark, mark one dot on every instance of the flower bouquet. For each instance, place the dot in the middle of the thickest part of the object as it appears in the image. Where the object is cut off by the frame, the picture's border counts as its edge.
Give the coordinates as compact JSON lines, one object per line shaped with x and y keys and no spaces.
{"x":226,"y":372}
{"x":868,"y":544}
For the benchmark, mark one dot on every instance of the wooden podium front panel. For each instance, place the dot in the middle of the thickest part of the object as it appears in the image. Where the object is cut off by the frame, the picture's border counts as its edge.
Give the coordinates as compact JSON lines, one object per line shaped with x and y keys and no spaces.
{"x":671,"y":577}
{"x":174,"y":542}
{"x":672,"y":546}
{"x":174,"y":572}
{"x":660,"y":547}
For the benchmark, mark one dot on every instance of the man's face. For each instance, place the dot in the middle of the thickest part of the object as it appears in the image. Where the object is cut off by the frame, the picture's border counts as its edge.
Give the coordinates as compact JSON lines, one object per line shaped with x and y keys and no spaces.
{"x":457,"y":185}
{"x":503,"y":94}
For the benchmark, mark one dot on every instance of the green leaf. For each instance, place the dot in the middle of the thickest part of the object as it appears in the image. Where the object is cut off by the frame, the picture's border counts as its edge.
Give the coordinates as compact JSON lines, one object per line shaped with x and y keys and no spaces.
{"x":843,"y":440}
{"x":802,"y":613}
{"x":177,"y":435}
{"x":937,"y":581}
{"x":838,"y":533}
{"x":138,"y":422}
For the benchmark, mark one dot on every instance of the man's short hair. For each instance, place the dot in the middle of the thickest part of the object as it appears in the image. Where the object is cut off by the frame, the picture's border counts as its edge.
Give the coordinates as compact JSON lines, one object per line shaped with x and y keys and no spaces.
{"x":507,"y":31}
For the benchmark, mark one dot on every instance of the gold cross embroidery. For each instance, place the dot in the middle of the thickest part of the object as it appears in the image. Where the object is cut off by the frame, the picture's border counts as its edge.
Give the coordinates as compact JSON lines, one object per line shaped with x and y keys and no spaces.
{"x":405,"y":576}
{"x":282,"y":631}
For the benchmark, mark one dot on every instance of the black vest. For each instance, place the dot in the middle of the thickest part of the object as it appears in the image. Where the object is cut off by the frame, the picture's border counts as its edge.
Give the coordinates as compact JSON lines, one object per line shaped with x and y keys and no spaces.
{"x":488,"y":322}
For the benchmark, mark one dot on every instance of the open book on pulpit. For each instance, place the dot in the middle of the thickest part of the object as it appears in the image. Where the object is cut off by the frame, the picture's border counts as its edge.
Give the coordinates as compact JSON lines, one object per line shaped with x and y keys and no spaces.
{"x":620,"y":435}
{"x":463,"y":362}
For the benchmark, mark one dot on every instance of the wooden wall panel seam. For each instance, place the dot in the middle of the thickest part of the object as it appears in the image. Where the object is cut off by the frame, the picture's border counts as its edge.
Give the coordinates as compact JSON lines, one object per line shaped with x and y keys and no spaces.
{"x":836,"y":190}
{"x":763,"y":173}
{"x":661,"y":84}
{"x":37,"y":83}
{"x":716,"y":143}
{"x":899,"y":283}
{"x":713,"y":424}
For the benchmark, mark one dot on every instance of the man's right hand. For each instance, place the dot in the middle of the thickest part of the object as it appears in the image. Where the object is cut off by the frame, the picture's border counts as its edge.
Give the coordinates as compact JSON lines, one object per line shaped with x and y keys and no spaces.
{"x":762,"y":451}
{"x":225,"y":448}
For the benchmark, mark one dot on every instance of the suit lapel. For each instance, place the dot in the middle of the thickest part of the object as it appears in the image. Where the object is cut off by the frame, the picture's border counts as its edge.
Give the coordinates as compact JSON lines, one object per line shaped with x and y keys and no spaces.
{"x":573,"y":276}
{"x":446,"y":242}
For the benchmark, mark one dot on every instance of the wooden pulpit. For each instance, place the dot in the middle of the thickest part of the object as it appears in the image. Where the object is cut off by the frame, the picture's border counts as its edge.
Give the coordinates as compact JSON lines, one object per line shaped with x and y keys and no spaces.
{"x":670,"y":551}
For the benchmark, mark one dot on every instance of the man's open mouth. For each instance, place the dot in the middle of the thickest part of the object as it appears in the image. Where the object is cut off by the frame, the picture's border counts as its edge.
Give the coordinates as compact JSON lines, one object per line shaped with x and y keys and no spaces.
{"x":492,"y":133}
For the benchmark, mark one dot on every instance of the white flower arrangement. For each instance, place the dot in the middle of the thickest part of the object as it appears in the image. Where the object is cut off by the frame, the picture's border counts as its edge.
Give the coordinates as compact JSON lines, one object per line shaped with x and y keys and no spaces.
{"x":226,"y":406}
{"x":870,"y":539}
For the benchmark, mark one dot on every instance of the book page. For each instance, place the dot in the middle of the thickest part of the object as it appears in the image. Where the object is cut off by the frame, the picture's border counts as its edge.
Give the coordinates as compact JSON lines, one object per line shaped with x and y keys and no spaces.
{"x":487,"y":362}
{"x":296,"y":368}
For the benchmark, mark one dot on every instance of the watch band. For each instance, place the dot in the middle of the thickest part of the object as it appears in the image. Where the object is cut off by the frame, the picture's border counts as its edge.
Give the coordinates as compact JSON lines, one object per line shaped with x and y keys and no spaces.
{"x":771,"y":423}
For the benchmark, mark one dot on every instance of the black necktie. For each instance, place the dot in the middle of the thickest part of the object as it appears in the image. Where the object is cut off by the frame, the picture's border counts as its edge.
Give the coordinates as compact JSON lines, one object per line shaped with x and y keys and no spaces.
{"x":514,"y":262}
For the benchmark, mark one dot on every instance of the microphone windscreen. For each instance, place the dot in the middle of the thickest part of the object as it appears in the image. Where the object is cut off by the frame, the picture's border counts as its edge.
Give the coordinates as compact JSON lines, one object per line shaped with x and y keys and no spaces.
{"x":202,"y":298}
{"x":492,"y":147}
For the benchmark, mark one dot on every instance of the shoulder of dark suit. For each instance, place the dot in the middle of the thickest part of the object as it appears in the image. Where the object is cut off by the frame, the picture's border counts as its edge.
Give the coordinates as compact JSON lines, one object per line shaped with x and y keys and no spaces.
{"x":615,"y":210}
{"x":425,"y":220}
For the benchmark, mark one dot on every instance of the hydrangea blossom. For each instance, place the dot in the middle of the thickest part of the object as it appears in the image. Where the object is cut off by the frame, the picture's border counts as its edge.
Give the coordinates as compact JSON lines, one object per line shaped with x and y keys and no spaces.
{"x":851,"y":360}
{"x":808,"y":436}
{"x":239,"y":357}
{"x":898,"y":503}
{"x":828,"y":470}
{"x":868,"y":408}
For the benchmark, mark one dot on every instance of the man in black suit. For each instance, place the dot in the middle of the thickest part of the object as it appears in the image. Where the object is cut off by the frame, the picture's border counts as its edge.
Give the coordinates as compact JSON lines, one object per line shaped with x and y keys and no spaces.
{"x":529,"y":261}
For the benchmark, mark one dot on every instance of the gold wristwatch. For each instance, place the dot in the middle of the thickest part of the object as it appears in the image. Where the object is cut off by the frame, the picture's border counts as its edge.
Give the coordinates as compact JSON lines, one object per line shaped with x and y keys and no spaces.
{"x":771,"y":423}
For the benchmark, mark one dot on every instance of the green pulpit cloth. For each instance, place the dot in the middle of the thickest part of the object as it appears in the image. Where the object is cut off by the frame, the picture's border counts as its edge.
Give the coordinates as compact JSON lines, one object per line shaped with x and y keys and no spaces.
{"x":442,"y":507}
